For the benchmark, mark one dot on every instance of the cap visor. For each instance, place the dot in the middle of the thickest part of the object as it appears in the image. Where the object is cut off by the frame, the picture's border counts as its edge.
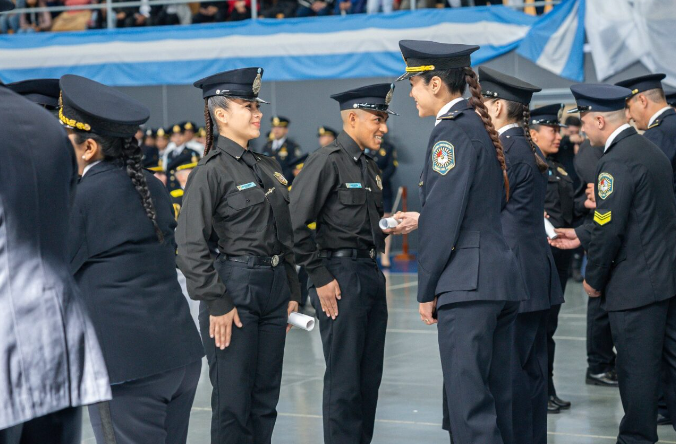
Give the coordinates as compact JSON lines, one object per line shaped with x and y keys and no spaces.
{"x":406,"y":75}
{"x":574,"y":110}
{"x":392,"y":113}
{"x":259,"y":100}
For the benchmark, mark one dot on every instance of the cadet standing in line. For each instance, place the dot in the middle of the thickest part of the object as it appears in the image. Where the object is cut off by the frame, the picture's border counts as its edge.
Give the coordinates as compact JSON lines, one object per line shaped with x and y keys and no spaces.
{"x":179,"y":146}
{"x":648,"y":108}
{"x":326,"y":135}
{"x":151,"y":155}
{"x":340,"y":188}
{"x":632,"y":256}
{"x":50,"y":360}
{"x":44,"y":92}
{"x":283,"y":149}
{"x":507,"y":99}
{"x":545,"y":124}
{"x":248,"y":292}
{"x":468,"y":277}
{"x":123,"y":257}
{"x":386,"y":159}
{"x":671,"y":99}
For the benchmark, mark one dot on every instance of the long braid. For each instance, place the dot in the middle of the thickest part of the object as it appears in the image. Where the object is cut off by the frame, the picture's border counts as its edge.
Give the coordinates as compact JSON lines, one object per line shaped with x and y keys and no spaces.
{"x":132,"y":155}
{"x":208,"y":128}
{"x":477,"y":103}
{"x":542,"y":165}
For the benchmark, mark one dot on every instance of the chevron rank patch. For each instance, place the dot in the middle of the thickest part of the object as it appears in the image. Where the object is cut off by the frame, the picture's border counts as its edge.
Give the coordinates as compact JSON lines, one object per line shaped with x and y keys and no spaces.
{"x":602,"y":218}
{"x":605,"y":185}
{"x":443,"y":157}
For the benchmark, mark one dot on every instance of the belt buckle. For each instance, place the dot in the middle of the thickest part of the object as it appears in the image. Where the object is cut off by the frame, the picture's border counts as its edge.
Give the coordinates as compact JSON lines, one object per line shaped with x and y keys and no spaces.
{"x":372,"y":253}
{"x":275,"y":260}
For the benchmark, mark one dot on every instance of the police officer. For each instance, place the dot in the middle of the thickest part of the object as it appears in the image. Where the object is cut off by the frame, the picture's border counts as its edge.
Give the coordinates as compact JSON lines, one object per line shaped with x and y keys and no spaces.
{"x":151,"y":155}
{"x":600,"y":354}
{"x":187,"y":157}
{"x":123,"y":258}
{"x":386,"y":159}
{"x":283,"y":149}
{"x":632,"y":255}
{"x":507,"y":99}
{"x":44,"y":92}
{"x":468,"y":278}
{"x":161,"y":142}
{"x":545,"y":132}
{"x":189,"y":132}
{"x":248,"y":292}
{"x":648,"y":108}
{"x":340,"y":188}
{"x":326,"y":135}
{"x":181,"y":170}
{"x":671,"y":99}
{"x":178,"y":146}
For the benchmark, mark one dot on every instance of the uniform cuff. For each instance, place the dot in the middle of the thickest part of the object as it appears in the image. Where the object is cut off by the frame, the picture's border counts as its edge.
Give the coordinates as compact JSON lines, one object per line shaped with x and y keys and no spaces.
{"x":220,"y":306}
{"x":320,"y":276}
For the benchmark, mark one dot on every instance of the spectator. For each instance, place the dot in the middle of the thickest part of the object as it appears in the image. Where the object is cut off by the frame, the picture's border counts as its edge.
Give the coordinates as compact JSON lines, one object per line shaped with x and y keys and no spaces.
{"x":132,"y":17}
{"x":239,"y":10}
{"x":179,"y":14}
{"x":35,"y":21}
{"x":356,"y":6}
{"x":307,"y":8}
{"x":73,"y":20}
{"x":373,"y":6}
{"x":280,"y":9}
{"x":9,"y":23}
{"x":210,"y":12}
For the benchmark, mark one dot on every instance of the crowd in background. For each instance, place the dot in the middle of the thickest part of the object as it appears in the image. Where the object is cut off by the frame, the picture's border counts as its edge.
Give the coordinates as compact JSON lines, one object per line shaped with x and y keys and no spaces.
{"x":204,"y":12}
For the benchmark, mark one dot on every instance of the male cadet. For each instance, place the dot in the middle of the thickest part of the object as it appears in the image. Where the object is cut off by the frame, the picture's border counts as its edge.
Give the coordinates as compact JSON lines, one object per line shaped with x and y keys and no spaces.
{"x":151,"y":155}
{"x":161,"y":141}
{"x":178,"y":146}
{"x":180,"y":170}
{"x":631,"y":245}
{"x":341,"y":189}
{"x":671,"y":99}
{"x":326,"y":135}
{"x":649,"y":109}
{"x":281,"y":147}
{"x":43,"y":92}
{"x":189,"y":130}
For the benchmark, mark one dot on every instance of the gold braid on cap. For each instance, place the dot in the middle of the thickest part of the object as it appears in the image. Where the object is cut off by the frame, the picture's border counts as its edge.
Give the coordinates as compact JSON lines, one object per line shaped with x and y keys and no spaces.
{"x":72,"y":123}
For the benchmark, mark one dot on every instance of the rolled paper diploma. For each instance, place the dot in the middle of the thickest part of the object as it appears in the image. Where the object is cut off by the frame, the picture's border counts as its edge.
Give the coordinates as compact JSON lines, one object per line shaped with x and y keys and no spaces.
{"x":387,"y":223}
{"x":549,"y":229}
{"x":302,"y":321}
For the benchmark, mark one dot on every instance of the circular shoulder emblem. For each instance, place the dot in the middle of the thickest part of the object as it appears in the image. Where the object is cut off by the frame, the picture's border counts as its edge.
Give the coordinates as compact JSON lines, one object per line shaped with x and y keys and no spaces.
{"x":281,"y":178}
{"x":443,"y":157}
{"x":605,"y":185}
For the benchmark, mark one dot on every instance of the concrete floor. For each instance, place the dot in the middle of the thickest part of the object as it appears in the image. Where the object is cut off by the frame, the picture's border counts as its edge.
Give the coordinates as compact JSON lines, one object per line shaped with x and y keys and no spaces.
{"x":409,"y":410}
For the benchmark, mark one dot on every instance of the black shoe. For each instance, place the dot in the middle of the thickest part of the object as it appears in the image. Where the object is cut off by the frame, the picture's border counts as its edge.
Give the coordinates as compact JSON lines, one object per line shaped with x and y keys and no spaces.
{"x":663,"y":420}
{"x":552,"y":408}
{"x":606,"y":379}
{"x":563,"y":405}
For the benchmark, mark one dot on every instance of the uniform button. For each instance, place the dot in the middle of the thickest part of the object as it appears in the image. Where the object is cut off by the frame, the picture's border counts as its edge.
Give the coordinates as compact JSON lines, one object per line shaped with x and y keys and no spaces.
{"x":247,"y":201}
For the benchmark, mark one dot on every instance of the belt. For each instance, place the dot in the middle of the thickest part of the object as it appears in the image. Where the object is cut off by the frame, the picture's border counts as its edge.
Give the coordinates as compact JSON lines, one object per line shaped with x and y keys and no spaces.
{"x":349,"y":252}
{"x":270,"y":261}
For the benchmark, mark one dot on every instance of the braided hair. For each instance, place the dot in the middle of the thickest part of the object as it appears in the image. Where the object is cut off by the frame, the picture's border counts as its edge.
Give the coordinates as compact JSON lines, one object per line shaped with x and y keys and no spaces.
{"x":516,"y":111}
{"x":129,"y":153}
{"x":457,"y":80}
{"x":210,"y":105}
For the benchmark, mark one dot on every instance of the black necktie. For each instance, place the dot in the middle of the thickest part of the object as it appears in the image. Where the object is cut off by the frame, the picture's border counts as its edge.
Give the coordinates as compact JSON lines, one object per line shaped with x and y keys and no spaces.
{"x":280,"y":209}
{"x":371,"y":210}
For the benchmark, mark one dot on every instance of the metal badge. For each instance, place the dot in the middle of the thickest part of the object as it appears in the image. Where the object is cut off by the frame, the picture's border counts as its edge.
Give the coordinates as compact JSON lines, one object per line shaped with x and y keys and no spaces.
{"x":388,"y":97}
{"x":379,"y":182}
{"x":372,"y":253}
{"x":281,"y":178}
{"x":256,"y":87}
{"x":275,"y":260}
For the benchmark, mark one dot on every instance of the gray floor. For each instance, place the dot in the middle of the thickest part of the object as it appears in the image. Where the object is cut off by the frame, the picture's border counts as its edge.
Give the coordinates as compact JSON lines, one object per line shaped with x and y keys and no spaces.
{"x":409,"y":410}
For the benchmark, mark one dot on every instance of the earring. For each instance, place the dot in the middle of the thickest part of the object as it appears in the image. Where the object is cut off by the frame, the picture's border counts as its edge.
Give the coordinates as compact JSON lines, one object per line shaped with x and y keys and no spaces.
{"x":83,"y":157}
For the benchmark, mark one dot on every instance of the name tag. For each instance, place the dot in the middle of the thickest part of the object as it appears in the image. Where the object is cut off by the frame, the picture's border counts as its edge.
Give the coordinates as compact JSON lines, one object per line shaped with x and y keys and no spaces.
{"x":246,"y":186}
{"x":353,"y":185}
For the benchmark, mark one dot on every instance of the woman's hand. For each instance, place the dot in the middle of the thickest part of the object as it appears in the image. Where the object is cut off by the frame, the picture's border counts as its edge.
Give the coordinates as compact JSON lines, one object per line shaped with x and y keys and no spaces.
{"x":293,"y":306}
{"x":426,"y":310}
{"x":220,"y":328}
{"x":407,"y":222}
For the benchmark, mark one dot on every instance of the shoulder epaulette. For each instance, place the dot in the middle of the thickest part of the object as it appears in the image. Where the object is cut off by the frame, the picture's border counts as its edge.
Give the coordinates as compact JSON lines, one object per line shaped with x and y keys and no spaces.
{"x":332,"y":148}
{"x":177,"y":192}
{"x":213,"y":153}
{"x":451,"y":115}
{"x":655,"y":123}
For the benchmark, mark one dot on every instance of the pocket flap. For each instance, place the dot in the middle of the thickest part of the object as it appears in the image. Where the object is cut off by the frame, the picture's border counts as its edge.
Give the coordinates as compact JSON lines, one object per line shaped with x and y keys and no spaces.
{"x":355,"y":196}
{"x":468,"y":239}
{"x":246,"y":198}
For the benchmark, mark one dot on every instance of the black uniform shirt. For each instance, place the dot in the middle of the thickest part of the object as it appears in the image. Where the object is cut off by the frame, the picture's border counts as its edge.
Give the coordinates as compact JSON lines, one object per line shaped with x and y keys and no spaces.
{"x":223,"y":195}
{"x":330,"y":191}
{"x":286,"y":155}
{"x":386,"y":159}
{"x":559,"y":197}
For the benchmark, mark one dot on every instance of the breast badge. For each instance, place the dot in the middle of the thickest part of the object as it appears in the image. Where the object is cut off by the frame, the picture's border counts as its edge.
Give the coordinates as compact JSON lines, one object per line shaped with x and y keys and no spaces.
{"x":281,"y":178}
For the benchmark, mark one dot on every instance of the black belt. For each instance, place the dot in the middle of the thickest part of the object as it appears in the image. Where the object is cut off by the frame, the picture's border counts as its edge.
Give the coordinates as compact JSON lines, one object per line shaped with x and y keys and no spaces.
{"x":270,"y":261}
{"x":349,"y":252}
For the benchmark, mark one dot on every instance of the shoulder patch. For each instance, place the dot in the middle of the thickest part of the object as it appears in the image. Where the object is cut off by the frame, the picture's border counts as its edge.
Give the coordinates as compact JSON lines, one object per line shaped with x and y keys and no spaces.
{"x":605,"y":185}
{"x":443,"y":157}
{"x":177,"y":192}
{"x":602,"y":218}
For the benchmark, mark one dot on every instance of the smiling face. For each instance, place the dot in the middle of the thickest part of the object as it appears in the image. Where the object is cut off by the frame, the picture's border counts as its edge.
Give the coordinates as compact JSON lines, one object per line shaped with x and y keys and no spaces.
{"x":424,"y":95}
{"x":370,"y":128}
{"x":241,"y":121}
{"x":547,"y":138}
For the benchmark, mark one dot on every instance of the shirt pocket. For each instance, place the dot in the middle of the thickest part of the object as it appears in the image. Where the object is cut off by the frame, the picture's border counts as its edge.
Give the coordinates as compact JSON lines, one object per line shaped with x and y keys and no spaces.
{"x":246,"y":211}
{"x":462,"y":272}
{"x":351,"y":214}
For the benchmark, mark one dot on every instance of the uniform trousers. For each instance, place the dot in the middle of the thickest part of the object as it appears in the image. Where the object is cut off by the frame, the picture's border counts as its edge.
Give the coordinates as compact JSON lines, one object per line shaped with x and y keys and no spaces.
{"x":151,"y":410}
{"x":529,"y":376}
{"x":63,"y":427}
{"x":354,"y":348}
{"x":476,"y":343}
{"x":645,"y":339}
{"x":247,"y":375}
{"x":562,"y":259}
{"x":600,"y":353}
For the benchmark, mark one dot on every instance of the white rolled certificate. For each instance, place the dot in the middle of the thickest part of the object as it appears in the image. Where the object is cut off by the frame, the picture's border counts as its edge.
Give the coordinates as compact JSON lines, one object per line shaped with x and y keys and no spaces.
{"x":387,"y":223}
{"x":302,"y":321}
{"x":549,"y":229}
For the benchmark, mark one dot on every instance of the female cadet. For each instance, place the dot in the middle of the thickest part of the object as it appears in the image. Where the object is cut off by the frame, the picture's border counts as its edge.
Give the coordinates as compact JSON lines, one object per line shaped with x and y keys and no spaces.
{"x":466,"y":270}
{"x":545,"y":132}
{"x":123,"y":258}
{"x":507,"y":100}
{"x":248,"y":292}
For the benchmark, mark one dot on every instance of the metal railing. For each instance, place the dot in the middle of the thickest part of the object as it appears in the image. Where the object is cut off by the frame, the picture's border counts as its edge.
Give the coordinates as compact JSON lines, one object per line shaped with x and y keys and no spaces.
{"x":109,"y":5}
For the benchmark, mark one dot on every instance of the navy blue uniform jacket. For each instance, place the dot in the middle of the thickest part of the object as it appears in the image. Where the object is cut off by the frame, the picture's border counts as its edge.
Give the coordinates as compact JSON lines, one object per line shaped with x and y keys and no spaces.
{"x":663,"y":134}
